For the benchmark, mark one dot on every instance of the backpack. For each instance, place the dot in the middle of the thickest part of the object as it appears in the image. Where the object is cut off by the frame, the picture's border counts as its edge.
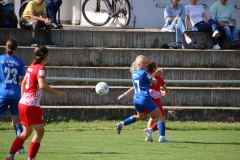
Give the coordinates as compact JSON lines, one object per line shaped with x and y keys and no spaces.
{"x":8,"y":18}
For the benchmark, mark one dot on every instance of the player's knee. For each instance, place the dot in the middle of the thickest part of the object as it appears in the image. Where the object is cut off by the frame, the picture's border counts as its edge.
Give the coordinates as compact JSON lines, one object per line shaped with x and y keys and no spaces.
{"x":139,"y":117}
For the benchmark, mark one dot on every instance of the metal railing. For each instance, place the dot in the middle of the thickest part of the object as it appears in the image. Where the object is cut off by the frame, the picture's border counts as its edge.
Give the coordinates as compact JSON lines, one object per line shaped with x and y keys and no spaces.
{"x":129,"y":80}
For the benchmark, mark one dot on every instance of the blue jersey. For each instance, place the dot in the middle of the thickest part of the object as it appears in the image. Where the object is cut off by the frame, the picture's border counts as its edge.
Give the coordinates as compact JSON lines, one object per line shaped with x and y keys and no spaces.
{"x":141,"y":82}
{"x":11,"y":70}
{"x":142,"y":99}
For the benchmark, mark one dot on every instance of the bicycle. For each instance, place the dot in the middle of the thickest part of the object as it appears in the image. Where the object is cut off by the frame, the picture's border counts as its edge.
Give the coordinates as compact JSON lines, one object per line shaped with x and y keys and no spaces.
{"x":100,"y":12}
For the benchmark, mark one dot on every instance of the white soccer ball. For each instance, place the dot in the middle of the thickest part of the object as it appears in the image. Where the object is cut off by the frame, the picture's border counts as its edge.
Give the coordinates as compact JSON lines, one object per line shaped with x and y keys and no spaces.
{"x":102,"y":88}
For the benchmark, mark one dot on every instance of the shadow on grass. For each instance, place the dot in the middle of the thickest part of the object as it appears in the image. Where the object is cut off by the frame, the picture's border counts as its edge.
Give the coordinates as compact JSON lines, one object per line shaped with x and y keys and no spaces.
{"x":103,"y":153}
{"x":228,"y":143}
{"x":88,"y":153}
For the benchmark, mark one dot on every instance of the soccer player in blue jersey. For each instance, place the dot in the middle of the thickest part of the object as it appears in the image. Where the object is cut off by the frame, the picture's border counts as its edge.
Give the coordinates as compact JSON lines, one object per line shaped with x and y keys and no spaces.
{"x":11,"y":69}
{"x":142,"y":99}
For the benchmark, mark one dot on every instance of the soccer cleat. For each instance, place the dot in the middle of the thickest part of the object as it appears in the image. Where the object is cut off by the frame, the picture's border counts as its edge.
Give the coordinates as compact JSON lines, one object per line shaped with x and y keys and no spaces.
{"x":188,"y":40}
{"x":149,"y":135}
{"x":216,"y":47}
{"x":163,"y":140}
{"x":119,"y":128}
{"x":216,"y":34}
{"x":21,"y":151}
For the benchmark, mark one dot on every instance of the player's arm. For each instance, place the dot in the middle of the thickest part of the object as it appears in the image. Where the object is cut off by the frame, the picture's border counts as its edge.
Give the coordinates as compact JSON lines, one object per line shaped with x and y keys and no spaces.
{"x":130,"y":90}
{"x":153,"y":82}
{"x":163,"y":93}
{"x":23,"y":84}
{"x":157,"y":72}
{"x":45,"y":87}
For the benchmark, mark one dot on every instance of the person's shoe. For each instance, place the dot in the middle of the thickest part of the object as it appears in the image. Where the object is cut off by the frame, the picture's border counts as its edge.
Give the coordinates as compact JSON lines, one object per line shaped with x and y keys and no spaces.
{"x":216,"y":47}
{"x":236,"y":42}
{"x":31,"y":159}
{"x":55,"y":26}
{"x":149,"y":135}
{"x":216,"y":34}
{"x":118,"y":128}
{"x":163,"y":140}
{"x":21,"y":151}
{"x":50,"y":44}
{"x":188,"y":40}
{"x":235,"y":46}
{"x":183,"y":46}
{"x":34,"y":43}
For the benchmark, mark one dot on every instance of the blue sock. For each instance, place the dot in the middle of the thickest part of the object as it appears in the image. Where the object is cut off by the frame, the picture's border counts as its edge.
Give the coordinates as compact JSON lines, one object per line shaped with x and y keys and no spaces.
{"x":18,"y":129}
{"x":129,"y":120}
{"x":161,"y":128}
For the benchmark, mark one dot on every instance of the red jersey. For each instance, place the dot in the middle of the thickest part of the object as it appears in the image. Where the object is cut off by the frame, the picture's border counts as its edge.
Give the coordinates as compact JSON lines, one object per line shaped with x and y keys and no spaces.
{"x":155,"y":90}
{"x":32,"y":94}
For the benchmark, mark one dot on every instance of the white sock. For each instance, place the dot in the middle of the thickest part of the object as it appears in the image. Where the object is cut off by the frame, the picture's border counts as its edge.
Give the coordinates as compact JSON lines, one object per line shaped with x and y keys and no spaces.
{"x":162,"y":137}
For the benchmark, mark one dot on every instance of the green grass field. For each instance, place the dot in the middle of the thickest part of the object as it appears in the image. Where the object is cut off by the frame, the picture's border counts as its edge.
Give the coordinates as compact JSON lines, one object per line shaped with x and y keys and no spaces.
{"x":97,"y":140}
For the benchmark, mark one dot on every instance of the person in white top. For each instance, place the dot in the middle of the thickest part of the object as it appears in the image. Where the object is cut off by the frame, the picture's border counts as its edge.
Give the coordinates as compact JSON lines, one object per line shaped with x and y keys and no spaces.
{"x":195,"y":13}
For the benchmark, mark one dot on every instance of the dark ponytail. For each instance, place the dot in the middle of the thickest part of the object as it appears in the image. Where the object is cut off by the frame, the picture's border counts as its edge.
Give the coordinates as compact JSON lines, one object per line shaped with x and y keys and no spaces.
{"x":40,"y":52}
{"x":11,"y":46}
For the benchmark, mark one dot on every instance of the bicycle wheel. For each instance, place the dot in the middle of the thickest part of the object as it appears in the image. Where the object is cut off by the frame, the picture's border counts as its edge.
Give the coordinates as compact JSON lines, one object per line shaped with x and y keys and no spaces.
{"x":124,"y":12}
{"x":94,"y":17}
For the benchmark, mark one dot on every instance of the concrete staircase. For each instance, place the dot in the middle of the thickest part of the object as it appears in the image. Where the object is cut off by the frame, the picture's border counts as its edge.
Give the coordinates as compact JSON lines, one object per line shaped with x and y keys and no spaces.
{"x":108,"y":53}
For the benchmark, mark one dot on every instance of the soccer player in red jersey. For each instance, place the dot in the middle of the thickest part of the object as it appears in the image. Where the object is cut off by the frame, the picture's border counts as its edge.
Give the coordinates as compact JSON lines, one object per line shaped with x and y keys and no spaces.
{"x":31,"y":114}
{"x":156,"y":94}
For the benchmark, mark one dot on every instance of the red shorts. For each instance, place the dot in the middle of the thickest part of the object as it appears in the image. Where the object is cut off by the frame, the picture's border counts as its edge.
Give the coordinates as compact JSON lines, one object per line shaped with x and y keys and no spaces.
{"x":30,"y":115}
{"x":159,"y":104}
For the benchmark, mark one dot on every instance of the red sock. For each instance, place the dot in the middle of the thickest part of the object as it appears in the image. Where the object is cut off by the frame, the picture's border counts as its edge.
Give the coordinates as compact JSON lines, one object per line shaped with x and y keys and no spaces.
{"x":33,"y":149}
{"x":17,"y":144}
{"x":154,"y":127}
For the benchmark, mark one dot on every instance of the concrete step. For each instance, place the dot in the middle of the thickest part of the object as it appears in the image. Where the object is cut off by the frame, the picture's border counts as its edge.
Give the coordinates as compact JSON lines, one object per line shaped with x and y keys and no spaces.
{"x":104,"y":37}
{"x":180,"y":96}
{"x":187,"y":113}
{"x":123,"y":73}
{"x":123,"y":57}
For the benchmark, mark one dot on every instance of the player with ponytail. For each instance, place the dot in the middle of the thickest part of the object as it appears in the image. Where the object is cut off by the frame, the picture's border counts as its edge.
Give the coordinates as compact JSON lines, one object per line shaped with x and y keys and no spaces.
{"x":29,"y":105}
{"x":142,"y":99}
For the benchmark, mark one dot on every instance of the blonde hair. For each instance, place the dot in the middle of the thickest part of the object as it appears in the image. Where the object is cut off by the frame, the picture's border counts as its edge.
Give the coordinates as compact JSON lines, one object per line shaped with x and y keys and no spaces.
{"x":137,"y":61}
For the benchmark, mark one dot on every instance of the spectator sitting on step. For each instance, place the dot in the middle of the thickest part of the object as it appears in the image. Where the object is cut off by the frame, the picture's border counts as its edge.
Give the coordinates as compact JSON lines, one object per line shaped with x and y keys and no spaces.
{"x":222,"y":14}
{"x":35,"y":16}
{"x":52,"y":9}
{"x":174,"y":15}
{"x":195,"y":13}
{"x":2,"y":2}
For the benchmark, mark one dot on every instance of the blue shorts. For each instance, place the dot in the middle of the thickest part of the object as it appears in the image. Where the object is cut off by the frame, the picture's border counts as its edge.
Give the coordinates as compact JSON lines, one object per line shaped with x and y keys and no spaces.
{"x":12,"y":103}
{"x":144,"y":104}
